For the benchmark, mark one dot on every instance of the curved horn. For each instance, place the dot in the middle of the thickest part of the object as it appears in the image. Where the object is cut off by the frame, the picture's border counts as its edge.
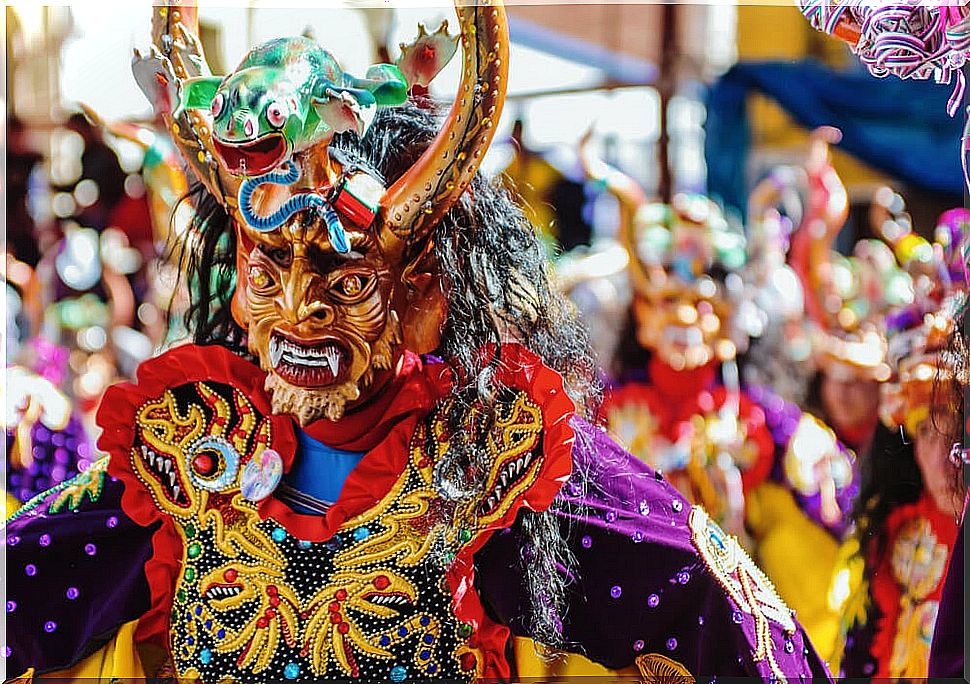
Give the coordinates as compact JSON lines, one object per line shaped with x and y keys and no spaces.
{"x":630,"y":197}
{"x":826,"y":211}
{"x":177,"y":55}
{"x":421,"y":197}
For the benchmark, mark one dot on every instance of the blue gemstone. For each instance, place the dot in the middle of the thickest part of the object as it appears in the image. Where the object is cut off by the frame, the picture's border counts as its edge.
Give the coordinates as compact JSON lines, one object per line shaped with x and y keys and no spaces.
{"x":304,"y":544}
{"x":189,"y":640}
{"x":398,"y":673}
{"x":205,"y":656}
{"x":424,"y":655}
{"x":278,"y":534}
{"x":361,"y":533}
{"x":429,"y":639}
{"x":402,"y":631}
{"x":432,"y":668}
{"x":72,"y":593}
{"x":291,"y":671}
{"x":50,"y":626}
{"x":425,"y":621}
{"x":198,"y":610}
{"x":221,"y":634}
{"x":385,"y":640}
{"x":11,"y":606}
{"x":208,"y":624}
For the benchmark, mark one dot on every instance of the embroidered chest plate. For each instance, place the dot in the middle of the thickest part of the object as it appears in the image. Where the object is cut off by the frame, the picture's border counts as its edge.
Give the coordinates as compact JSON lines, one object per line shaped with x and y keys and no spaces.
{"x":255,"y":603}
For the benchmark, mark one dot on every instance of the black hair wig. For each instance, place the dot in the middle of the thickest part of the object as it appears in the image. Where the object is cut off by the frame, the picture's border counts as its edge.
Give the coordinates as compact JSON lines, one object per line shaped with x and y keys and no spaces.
{"x":495,"y":278}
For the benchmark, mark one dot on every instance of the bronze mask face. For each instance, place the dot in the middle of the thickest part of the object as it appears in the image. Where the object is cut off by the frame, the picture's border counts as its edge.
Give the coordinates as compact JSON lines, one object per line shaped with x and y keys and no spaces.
{"x":321,"y":323}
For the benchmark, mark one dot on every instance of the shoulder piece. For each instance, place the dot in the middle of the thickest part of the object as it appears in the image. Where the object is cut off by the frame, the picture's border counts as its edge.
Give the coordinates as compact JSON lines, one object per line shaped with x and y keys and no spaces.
{"x":744,"y":582}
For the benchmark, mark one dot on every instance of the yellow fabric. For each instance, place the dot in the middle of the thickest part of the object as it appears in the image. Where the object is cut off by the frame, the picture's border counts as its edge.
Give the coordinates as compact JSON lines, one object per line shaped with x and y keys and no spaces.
{"x":13,"y":504}
{"x":848,"y":595}
{"x":798,"y":556}
{"x":117,"y":658}
{"x":531,"y":177}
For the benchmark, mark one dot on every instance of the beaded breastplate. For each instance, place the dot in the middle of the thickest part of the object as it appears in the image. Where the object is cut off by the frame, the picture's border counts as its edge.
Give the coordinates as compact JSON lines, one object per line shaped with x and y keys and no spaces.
{"x":375,"y":600}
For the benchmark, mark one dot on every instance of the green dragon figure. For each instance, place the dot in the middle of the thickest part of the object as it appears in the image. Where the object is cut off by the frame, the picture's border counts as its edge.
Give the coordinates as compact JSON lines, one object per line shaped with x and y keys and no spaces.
{"x":287,"y":95}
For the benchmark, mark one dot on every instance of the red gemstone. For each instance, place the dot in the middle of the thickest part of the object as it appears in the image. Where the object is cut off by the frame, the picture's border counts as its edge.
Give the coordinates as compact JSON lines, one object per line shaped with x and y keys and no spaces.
{"x":335,"y":618}
{"x":343,"y":628}
{"x":341,"y":594}
{"x":468,"y":662}
{"x":334,"y":607}
{"x":204,"y":464}
{"x":270,"y":613}
{"x":262,"y":622}
{"x":230,"y":575}
{"x":272,"y":590}
{"x":381,"y":582}
{"x":274,"y":601}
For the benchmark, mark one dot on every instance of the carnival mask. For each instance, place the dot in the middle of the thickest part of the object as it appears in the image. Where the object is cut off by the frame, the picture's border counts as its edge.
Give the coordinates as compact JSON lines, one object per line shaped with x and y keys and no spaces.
{"x":320,"y":322}
{"x":335,"y":278}
{"x":682,"y":313}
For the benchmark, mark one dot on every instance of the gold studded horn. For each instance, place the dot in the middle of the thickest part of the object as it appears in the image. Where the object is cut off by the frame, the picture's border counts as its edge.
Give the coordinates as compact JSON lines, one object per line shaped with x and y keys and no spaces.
{"x":177,"y":55}
{"x":630,"y":197}
{"x":422,"y":196}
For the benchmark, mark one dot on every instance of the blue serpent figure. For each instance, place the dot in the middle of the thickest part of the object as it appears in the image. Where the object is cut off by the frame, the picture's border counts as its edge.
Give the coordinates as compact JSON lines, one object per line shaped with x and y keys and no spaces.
{"x":287,"y":175}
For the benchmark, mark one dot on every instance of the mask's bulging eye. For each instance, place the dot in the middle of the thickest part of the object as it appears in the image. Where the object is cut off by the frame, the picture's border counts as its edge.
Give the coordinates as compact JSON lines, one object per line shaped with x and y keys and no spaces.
{"x":275,"y":115}
{"x":350,"y":286}
{"x":218,"y":104}
{"x":259,"y":279}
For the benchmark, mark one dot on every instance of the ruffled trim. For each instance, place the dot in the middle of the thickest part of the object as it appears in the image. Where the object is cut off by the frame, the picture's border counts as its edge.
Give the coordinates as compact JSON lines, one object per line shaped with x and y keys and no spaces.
{"x":116,"y":416}
{"x":522,"y":370}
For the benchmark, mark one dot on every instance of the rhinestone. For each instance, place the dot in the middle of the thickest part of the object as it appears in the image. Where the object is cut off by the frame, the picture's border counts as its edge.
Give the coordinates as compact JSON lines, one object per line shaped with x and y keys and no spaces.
{"x":653,"y":600}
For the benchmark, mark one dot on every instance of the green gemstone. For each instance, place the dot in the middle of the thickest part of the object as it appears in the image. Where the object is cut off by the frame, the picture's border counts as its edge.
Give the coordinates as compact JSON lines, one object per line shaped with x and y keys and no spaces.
{"x":189,"y":574}
{"x":464,"y":630}
{"x":195,"y":550}
{"x":465,"y":536}
{"x":180,"y":595}
{"x":190,"y":530}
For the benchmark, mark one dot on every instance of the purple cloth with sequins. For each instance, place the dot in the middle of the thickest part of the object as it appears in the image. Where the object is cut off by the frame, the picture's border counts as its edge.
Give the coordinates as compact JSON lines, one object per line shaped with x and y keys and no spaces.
{"x":639,"y":585}
{"x":949,"y":640}
{"x":74,"y":577}
{"x":56,"y":458}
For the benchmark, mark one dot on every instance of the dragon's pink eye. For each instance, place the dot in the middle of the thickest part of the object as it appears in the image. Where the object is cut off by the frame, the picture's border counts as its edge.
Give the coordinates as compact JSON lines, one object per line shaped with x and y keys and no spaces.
{"x":275,"y":115}
{"x":217,"y":103}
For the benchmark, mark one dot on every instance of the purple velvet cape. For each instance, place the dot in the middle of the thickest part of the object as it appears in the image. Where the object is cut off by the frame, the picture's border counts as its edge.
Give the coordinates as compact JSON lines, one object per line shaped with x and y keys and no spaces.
{"x":949,"y":640}
{"x":638,"y":585}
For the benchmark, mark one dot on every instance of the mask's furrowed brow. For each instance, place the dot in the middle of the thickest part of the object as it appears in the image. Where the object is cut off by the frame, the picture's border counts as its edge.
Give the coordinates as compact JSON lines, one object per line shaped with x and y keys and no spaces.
{"x":326,"y":261}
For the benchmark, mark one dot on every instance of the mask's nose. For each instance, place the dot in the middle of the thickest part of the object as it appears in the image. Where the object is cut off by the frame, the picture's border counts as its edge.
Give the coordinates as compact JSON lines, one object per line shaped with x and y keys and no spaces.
{"x":243,"y":125}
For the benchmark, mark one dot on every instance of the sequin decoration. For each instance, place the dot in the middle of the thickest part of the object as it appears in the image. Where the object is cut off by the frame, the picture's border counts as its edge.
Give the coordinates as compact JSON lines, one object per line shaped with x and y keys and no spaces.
{"x":659,"y":669}
{"x":256,"y":603}
{"x":744,"y":582}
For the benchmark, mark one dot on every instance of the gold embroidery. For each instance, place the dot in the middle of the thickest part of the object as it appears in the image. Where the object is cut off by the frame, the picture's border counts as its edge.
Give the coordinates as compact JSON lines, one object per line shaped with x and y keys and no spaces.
{"x":744,"y":582}
{"x":274,"y":605}
{"x":89,"y":483}
{"x":659,"y":669}
{"x":918,"y":563}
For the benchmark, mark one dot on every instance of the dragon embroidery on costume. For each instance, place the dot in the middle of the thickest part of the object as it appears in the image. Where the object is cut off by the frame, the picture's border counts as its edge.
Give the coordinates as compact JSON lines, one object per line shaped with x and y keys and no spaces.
{"x":372,"y":601}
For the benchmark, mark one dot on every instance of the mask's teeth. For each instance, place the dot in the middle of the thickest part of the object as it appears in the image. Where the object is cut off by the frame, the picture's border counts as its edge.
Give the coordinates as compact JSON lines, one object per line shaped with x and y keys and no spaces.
{"x":275,"y":351}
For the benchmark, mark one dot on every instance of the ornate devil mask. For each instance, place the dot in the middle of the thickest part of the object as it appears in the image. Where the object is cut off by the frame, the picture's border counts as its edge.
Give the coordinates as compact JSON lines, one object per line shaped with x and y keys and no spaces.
{"x":335,"y":274}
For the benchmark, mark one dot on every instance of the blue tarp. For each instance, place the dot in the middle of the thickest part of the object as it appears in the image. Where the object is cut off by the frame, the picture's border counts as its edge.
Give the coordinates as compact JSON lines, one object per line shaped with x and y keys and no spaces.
{"x":898,"y":127}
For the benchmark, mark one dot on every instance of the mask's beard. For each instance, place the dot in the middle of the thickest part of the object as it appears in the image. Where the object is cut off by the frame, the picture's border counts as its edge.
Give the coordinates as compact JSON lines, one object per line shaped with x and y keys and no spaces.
{"x":308,"y":404}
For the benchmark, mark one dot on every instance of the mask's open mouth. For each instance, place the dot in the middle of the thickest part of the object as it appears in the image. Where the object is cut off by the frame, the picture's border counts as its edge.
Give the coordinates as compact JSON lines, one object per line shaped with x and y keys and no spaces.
{"x":253,"y":158}
{"x":316,"y":364}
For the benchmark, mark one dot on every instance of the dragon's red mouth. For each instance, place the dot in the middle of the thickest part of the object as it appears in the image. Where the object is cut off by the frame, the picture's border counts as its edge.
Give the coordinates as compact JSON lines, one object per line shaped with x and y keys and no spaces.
{"x":253,"y":158}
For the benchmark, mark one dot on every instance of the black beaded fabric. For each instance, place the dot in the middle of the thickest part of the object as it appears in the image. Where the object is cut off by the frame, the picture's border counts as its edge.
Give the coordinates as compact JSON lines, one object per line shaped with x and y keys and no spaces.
{"x":255,"y":603}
